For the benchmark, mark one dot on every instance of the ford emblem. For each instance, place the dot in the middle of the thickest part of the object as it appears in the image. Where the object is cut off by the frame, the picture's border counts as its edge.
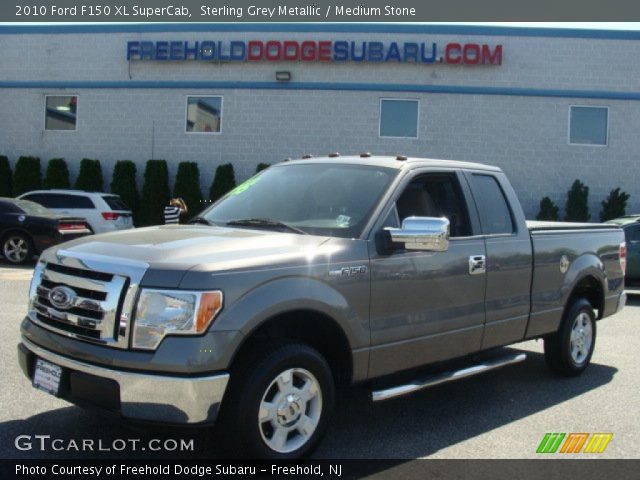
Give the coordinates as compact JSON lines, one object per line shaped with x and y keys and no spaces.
{"x":62,"y":297}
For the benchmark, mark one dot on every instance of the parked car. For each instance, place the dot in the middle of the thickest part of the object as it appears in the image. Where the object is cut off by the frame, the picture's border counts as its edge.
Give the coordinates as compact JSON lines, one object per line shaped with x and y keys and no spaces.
{"x":27,"y":228}
{"x":631,"y":226}
{"x":105,"y":212}
{"x":311,"y":275}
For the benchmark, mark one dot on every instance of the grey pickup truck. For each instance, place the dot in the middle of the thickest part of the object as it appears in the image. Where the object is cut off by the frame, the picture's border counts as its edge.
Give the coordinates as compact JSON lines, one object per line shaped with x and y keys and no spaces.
{"x":314,"y":274}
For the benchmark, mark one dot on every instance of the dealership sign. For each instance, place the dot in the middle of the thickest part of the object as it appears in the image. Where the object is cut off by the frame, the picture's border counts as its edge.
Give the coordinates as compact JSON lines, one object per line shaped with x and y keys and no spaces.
{"x":316,"y":51}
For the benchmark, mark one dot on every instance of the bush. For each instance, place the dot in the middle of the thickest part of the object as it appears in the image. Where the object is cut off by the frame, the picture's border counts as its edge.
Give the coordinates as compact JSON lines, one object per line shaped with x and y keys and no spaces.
{"x":90,"y":176}
{"x":262,"y":166}
{"x":57,"y":174}
{"x":223,"y":182}
{"x":27,"y":175}
{"x":155,"y":193}
{"x":548,"y":210}
{"x":614,"y":206}
{"x":123,"y":183}
{"x":5,"y":177}
{"x":577,"y":207}
{"x":187,"y":187}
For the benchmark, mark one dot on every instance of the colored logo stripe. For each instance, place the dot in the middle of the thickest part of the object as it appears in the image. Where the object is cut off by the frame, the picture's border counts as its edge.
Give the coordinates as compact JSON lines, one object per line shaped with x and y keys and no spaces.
{"x":550,"y":443}
{"x":598,"y":442}
{"x":574,"y":442}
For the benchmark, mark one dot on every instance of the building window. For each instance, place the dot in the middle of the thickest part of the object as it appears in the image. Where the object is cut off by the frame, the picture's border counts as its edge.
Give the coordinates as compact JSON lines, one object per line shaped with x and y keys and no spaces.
{"x":204,"y":114}
{"x":399,"y":118}
{"x":60,"y":112}
{"x":588,"y":125}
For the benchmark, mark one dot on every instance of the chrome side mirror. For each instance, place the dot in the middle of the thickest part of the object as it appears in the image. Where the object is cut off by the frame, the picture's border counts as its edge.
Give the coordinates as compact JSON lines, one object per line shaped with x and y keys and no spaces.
{"x":422,"y":233}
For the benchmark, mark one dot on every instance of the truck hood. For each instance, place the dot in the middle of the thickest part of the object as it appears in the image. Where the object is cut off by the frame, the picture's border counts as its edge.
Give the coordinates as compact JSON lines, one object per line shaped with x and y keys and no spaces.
{"x":182,"y":247}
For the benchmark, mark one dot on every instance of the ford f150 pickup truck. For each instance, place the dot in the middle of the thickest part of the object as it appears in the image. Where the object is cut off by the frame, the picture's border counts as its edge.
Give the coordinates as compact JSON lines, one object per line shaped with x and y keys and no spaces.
{"x":314,"y":274}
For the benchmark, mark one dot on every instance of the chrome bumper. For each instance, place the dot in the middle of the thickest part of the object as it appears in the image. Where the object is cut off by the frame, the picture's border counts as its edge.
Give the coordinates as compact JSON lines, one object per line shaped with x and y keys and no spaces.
{"x":153,"y":397}
{"x":622,"y":300}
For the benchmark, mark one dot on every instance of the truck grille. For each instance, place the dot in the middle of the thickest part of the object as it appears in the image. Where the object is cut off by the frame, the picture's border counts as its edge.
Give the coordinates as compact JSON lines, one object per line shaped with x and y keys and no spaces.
{"x":82,"y":303}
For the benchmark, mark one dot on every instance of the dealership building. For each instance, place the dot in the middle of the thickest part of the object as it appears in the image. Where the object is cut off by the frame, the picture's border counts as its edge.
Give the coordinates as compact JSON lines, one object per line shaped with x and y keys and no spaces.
{"x":546,"y":105}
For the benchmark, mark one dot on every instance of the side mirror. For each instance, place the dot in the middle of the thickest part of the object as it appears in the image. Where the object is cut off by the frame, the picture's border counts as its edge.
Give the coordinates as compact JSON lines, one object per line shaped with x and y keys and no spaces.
{"x":422,"y":233}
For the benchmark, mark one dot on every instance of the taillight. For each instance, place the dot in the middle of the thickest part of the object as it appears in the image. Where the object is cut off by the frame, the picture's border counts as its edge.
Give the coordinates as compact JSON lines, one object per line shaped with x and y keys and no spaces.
{"x":110,"y":215}
{"x":65,"y":226}
{"x":623,"y":257}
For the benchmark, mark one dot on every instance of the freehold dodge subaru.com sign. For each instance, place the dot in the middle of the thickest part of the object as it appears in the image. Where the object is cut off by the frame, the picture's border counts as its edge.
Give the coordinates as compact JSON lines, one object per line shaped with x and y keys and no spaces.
{"x":453,"y":53}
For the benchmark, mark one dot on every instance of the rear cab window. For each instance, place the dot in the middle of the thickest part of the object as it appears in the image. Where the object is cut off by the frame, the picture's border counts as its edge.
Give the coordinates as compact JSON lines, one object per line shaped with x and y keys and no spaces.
{"x":495,"y":215}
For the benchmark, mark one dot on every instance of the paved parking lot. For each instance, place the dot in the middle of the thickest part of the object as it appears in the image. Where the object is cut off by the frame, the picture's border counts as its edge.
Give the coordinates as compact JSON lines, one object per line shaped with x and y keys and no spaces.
{"x":502,"y":414}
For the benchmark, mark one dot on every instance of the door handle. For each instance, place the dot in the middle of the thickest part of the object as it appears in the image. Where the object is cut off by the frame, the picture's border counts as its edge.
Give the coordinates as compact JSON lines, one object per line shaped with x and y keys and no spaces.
{"x":477,"y":264}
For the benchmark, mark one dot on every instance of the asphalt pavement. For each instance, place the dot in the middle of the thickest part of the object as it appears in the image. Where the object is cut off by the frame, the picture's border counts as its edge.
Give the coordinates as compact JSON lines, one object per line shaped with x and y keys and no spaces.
{"x":500,"y":414}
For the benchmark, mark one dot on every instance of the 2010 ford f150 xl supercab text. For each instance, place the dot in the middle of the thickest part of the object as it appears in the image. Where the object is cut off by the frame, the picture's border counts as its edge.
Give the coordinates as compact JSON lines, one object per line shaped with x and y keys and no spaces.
{"x":314,"y":274}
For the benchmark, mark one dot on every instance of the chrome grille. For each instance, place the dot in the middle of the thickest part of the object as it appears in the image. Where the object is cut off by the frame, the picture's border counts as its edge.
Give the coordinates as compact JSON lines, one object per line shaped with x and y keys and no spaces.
{"x":95,"y":311}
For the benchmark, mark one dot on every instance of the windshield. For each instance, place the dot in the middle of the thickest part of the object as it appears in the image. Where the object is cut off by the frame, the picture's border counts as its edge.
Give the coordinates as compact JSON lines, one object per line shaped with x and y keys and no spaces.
{"x":330,"y":199}
{"x":33,"y":208}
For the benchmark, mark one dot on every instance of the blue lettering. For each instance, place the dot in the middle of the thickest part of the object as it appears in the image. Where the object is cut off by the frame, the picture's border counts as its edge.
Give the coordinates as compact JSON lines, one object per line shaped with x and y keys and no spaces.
{"x":175,"y":51}
{"x":162,"y":50}
{"x":354,"y":57}
{"x":237,"y":51}
{"x":340,"y":51}
{"x":393,"y":53}
{"x":191,"y":51}
{"x":423,"y":48}
{"x":375,"y":51}
{"x":411,"y":52}
{"x":146,"y":50}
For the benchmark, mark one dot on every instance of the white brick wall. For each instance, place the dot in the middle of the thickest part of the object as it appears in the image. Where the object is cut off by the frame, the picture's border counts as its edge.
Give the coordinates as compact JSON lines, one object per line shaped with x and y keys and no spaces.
{"x":526,"y":136}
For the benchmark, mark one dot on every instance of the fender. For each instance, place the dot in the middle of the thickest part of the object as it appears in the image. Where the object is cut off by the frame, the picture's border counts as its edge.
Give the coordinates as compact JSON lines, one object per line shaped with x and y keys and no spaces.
{"x":586,"y":265}
{"x":286,"y":294}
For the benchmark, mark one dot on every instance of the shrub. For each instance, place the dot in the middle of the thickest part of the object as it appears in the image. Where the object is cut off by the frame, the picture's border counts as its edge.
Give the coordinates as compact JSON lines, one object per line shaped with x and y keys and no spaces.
{"x":90,"y":176}
{"x":27,"y":175}
{"x":548,"y":210}
{"x":262,"y":166}
{"x":187,"y":186}
{"x":57,"y":174}
{"x":614,"y":205}
{"x":123,"y":183}
{"x":155,"y":193}
{"x":223,"y":182}
{"x":5,"y":177}
{"x":577,"y":207}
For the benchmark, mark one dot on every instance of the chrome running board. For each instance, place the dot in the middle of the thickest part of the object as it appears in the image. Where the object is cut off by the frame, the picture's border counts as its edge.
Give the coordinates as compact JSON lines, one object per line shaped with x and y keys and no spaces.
{"x":438,"y":378}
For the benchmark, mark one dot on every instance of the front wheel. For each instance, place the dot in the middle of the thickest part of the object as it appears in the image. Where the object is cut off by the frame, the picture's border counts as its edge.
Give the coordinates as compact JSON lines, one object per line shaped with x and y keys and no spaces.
{"x":568,"y":351}
{"x":278,"y":406}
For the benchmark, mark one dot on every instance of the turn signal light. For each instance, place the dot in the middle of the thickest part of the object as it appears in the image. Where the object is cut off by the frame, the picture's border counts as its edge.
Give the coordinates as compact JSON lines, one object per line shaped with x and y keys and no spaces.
{"x":210,"y":305}
{"x":623,"y":257}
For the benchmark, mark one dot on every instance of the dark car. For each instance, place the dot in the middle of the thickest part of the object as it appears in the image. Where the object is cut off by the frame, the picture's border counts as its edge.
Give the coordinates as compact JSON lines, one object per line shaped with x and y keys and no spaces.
{"x":27,"y":228}
{"x":631,"y":226}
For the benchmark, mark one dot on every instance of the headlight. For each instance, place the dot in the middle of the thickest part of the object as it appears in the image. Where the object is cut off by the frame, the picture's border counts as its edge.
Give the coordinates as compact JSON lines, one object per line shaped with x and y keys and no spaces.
{"x":173,"y":312}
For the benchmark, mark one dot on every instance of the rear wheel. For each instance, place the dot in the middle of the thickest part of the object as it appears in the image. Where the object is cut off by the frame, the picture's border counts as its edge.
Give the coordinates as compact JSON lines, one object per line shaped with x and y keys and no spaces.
{"x":16,"y":248}
{"x":279,"y":404}
{"x":568,"y":351}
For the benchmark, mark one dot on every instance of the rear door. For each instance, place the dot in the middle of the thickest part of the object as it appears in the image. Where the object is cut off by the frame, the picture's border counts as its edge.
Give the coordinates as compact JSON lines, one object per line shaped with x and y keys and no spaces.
{"x":427,"y":306}
{"x":509,"y":259}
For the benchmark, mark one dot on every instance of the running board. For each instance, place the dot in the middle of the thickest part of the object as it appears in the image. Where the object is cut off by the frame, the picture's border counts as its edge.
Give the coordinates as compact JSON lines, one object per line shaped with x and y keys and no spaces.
{"x":444,"y":377}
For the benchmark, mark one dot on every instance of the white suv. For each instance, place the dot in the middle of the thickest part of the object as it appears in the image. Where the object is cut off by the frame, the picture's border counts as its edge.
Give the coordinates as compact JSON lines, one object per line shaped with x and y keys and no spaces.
{"x":104,"y":212}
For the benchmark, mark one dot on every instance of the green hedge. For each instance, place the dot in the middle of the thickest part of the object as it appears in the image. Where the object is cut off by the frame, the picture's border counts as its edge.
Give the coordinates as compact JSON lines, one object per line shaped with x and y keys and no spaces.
{"x":548,"y":210}
{"x":57,"y":174}
{"x":614,"y":206}
{"x":187,"y":187}
{"x":5,"y":177}
{"x":223,"y":182}
{"x":577,"y":206}
{"x":123,"y":183}
{"x":155,"y":193}
{"x":90,"y":176}
{"x":27,"y":175}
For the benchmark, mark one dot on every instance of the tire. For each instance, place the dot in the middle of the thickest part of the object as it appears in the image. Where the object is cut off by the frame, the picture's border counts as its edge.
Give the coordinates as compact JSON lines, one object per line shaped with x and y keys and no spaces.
{"x":17,"y":248}
{"x":568,"y":351}
{"x":278,"y":404}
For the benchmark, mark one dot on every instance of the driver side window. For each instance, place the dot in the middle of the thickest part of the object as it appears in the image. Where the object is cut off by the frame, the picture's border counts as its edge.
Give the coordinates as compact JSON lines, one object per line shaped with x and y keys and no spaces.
{"x":435,"y":195}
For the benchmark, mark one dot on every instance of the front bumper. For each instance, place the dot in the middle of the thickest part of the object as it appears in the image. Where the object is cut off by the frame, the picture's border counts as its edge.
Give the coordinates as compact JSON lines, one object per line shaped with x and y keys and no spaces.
{"x":134,"y":395}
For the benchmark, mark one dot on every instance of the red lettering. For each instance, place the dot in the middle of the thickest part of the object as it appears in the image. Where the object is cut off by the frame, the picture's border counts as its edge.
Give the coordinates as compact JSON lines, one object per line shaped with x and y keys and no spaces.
{"x":274,"y":50}
{"x":251,"y":50}
{"x":324,"y":51}
{"x":471,"y":53}
{"x":494,"y":58}
{"x":291,"y":50}
{"x":308,"y":51}
{"x":448,"y":55}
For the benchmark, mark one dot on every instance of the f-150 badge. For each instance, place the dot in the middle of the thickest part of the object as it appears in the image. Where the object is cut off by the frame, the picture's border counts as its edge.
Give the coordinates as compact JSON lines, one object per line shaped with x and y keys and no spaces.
{"x":349,"y":271}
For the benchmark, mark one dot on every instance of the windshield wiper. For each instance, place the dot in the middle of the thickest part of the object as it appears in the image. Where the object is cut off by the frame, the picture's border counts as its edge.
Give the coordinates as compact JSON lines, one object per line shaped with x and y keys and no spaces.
{"x":202,"y":220}
{"x":266,"y":223}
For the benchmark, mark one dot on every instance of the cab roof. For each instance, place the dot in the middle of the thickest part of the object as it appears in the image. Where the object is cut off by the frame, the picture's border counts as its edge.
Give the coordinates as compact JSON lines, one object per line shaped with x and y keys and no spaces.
{"x":395,"y":162}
